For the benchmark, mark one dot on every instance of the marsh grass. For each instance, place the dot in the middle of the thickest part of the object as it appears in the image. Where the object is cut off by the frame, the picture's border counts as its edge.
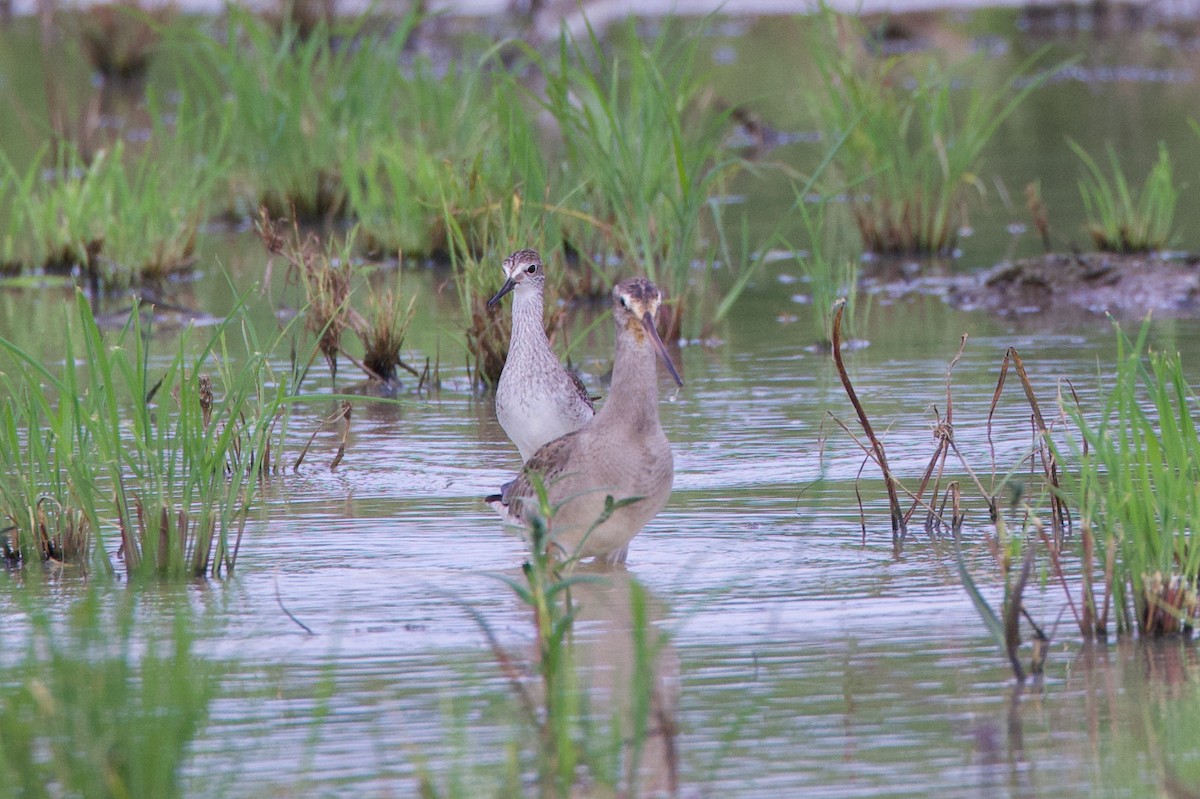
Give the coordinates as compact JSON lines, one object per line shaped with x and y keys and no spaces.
{"x":1120,"y":219}
{"x":162,"y":460}
{"x":119,"y":220}
{"x":488,"y":329}
{"x":44,"y":519}
{"x":64,"y":216}
{"x":830,"y":266}
{"x":456,"y":145}
{"x":383,"y":329}
{"x":831,"y":278}
{"x":326,"y":278}
{"x":1139,"y":465}
{"x":1106,"y":510}
{"x":644,"y":152}
{"x":913,"y":156}
{"x":1033,"y":483}
{"x":391,"y":191}
{"x":100,"y":704}
{"x":297,"y":107}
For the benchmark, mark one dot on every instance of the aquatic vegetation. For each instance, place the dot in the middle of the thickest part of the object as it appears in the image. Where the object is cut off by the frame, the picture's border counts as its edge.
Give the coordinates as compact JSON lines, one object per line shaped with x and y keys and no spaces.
{"x":574,"y":741}
{"x":1139,"y":464}
{"x":329,"y":277}
{"x":913,"y":154}
{"x":383,"y":328}
{"x":945,"y":514}
{"x":1121,"y":220}
{"x":296,"y":108}
{"x":644,"y":151}
{"x":45,"y":517}
{"x":160,"y":462}
{"x":391,"y":191}
{"x":117,"y":220}
{"x":1119,"y":492}
{"x":440,"y":155}
{"x":830,"y":266}
{"x":98,"y":704}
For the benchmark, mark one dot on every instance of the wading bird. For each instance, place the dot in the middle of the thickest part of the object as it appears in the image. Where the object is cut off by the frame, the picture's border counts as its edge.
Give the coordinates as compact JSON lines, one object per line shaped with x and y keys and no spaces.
{"x":607,"y":479}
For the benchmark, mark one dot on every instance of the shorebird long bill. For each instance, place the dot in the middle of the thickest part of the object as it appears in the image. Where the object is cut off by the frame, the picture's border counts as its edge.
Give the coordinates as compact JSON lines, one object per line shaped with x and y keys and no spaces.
{"x":652,"y":329}
{"x":508,"y":286}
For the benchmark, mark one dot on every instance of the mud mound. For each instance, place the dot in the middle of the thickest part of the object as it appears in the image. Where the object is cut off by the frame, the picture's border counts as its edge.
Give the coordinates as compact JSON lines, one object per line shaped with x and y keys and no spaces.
{"x":1122,"y":285}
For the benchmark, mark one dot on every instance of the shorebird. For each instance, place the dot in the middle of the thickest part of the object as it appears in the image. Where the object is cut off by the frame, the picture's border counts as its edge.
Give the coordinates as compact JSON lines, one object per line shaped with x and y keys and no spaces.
{"x":537,"y":400}
{"x":604,"y":481}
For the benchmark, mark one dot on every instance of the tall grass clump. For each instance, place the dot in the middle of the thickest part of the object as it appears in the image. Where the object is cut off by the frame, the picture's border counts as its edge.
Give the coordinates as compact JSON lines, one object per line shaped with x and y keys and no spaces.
{"x":47,"y":510}
{"x":1136,"y":488}
{"x":117,"y":220}
{"x":158,"y":459}
{"x":98,"y":704}
{"x":498,"y":203}
{"x":297,"y":107}
{"x":456,"y":147}
{"x":643,"y":153}
{"x":913,"y":155}
{"x":1120,"y":219}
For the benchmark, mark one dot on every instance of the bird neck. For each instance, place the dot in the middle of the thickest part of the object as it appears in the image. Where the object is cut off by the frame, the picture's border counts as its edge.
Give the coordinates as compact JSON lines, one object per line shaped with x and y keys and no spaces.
{"x":528,"y":328}
{"x":633,"y":394}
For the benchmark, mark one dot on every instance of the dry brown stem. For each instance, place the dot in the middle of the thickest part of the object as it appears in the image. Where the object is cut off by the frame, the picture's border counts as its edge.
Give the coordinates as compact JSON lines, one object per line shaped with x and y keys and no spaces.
{"x":877,"y":453}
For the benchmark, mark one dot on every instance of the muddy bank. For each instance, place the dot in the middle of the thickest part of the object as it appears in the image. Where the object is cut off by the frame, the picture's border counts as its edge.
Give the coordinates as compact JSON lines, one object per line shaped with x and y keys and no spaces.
{"x":1098,"y":283}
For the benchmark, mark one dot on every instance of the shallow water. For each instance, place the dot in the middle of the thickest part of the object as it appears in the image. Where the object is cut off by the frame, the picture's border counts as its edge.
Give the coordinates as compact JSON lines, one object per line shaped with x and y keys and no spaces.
{"x":808,"y":658}
{"x":809,"y":662}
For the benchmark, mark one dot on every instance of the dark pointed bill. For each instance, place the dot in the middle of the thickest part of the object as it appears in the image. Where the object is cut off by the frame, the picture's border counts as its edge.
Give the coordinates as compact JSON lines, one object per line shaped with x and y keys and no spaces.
{"x":648,"y":323}
{"x":508,"y":286}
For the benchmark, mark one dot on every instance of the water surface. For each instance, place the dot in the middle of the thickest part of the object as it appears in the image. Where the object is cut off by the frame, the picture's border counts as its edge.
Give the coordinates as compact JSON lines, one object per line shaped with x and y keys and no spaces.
{"x":809,"y":658}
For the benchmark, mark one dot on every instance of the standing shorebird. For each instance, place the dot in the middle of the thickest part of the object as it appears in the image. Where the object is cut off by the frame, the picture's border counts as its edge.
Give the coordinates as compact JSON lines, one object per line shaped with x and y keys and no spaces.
{"x":537,"y":400}
{"x":614,"y":474}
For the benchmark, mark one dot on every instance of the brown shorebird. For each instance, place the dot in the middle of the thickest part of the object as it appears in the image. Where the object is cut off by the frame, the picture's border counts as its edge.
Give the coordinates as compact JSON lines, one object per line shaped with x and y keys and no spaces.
{"x":537,"y":400}
{"x":604,"y":481}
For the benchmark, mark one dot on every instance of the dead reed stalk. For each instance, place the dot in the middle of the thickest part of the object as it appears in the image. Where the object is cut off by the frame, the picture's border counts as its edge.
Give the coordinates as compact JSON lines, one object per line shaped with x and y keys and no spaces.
{"x":876,"y":451}
{"x":1033,"y":201}
{"x":328,"y":284}
{"x":1059,"y":514}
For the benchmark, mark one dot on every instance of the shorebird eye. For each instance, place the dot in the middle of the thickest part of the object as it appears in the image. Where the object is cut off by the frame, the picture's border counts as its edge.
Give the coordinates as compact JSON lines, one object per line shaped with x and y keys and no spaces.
{"x":532,"y":268}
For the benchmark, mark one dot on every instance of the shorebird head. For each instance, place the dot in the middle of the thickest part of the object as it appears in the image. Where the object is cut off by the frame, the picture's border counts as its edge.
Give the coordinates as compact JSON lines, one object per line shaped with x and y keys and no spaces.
{"x":522,"y":269}
{"x":635,"y":307}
